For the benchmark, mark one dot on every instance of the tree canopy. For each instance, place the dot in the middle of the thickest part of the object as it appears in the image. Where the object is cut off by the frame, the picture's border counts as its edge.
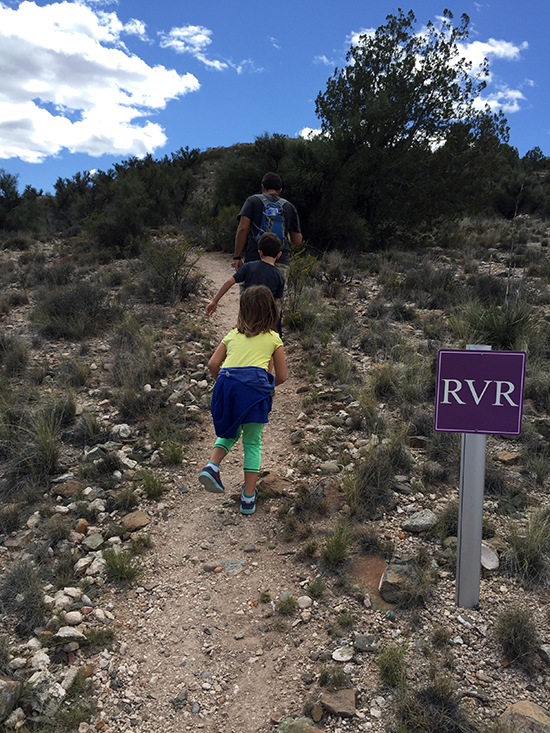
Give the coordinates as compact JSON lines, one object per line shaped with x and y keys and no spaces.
{"x":402,"y":87}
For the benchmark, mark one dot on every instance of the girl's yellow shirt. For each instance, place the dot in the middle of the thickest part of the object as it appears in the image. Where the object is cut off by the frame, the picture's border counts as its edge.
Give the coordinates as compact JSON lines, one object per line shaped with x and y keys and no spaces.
{"x":244,"y":351}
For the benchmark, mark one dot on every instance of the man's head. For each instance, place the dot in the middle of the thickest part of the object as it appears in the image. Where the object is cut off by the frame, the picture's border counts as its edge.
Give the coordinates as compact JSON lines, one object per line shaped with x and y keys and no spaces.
{"x":272,"y":182}
{"x":269,"y":245}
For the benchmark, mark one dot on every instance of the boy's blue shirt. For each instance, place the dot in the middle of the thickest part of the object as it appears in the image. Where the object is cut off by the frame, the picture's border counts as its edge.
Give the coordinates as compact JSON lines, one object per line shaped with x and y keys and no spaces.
{"x":241,"y":395}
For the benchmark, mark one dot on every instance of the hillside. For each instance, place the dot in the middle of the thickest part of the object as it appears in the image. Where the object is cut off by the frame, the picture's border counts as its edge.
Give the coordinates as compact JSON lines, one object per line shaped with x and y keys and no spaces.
{"x":246,"y":624}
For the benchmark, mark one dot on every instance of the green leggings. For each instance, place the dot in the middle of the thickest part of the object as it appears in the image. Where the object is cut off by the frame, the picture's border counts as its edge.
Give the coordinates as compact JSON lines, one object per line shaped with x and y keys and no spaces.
{"x":252,"y":444}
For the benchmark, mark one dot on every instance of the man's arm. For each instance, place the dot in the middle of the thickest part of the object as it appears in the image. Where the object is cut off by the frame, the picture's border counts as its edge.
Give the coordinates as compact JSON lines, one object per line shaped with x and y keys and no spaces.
{"x":211,"y":307}
{"x":241,"y":237}
{"x":295,"y":238}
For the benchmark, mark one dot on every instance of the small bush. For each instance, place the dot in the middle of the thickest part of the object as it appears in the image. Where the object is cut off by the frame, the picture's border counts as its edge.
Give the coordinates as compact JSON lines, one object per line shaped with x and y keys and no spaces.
{"x":171,"y":268}
{"x":528,"y":554}
{"x":152,"y":483}
{"x":391,"y":664}
{"x":502,"y":328}
{"x":337,"y":546}
{"x":119,"y":566}
{"x":287,"y":606}
{"x":21,"y":595}
{"x":74,"y":312}
{"x":372,"y":480}
{"x":14,"y":355}
{"x":516,"y":632}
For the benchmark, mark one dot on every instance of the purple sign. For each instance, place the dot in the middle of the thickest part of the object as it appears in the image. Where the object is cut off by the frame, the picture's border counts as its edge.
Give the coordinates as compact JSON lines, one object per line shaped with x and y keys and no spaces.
{"x":479,"y":391}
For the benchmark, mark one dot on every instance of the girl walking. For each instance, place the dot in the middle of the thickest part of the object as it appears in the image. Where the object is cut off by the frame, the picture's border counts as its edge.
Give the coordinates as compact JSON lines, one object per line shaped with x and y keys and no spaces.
{"x":243,"y":393}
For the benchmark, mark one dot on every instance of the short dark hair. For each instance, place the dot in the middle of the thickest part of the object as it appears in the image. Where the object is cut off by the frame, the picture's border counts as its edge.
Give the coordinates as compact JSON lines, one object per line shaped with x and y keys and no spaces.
{"x":272,"y":181}
{"x":257,"y":311}
{"x":270,"y":244}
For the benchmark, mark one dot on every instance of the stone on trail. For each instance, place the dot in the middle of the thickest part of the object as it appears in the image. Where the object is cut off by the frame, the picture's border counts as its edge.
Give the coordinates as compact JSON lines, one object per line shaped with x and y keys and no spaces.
{"x":526,"y":717}
{"x":136,"y":520}
{"x":340,"y":703}
{"x":9,"y":694}
{"x":420,"y":521}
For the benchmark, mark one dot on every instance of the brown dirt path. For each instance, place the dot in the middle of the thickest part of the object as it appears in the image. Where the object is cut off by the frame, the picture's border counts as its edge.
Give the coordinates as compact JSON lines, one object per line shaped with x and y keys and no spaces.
{"x":184,"y":629}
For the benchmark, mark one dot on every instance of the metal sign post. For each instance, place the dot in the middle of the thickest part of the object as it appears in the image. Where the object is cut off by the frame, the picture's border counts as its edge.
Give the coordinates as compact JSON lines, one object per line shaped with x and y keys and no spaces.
{"x":470,"y":515}
{"x":479,"y":392}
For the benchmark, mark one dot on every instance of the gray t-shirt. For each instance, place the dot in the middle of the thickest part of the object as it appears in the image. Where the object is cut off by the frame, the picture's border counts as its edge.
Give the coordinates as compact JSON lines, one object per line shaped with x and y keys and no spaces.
{"x":253,"y":209}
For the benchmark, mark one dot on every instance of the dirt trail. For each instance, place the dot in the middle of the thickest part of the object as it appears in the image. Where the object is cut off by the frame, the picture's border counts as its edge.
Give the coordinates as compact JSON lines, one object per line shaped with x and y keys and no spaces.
{"x":185,"y":631}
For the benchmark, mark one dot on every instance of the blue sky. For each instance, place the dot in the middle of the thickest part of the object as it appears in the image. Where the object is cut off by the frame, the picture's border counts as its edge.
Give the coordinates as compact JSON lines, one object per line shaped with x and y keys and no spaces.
{"x":86,"y":84}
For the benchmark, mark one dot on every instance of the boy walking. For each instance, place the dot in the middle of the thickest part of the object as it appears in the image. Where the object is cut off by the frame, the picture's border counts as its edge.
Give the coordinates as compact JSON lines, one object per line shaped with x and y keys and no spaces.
{"x":257,"y":272}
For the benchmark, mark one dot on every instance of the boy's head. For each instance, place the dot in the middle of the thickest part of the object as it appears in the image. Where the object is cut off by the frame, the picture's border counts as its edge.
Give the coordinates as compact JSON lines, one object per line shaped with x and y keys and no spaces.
{"x":269,"y":245}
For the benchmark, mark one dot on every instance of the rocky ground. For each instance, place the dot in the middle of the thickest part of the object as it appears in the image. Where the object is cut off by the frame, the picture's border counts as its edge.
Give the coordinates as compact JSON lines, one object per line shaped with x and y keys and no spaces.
{"x":201,"y":640}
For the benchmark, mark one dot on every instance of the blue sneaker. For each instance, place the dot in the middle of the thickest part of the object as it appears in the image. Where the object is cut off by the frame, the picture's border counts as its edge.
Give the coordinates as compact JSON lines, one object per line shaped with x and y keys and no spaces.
{"x":248,"y":503}
{"x":211,"y":480}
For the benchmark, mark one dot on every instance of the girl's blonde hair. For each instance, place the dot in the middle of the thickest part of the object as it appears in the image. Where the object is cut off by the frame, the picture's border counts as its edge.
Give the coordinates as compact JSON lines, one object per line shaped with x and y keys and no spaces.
{"x":257,"y":311}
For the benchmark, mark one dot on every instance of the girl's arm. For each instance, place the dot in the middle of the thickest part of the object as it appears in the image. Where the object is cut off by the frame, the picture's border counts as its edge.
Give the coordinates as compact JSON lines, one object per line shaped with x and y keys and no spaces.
{"x":216,"y":360}
{"x":279,"y":362}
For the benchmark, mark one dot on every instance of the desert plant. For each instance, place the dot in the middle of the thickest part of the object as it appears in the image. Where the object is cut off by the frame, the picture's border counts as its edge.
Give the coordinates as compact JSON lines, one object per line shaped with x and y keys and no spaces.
{"x":316,"y":588}
{"x":372,"y":481}
{"x":21,"y":595}
{"x":286,"y":606}
{"x":10,"y":518}
{"x":337,"y":546}
{"x":516,"y":632}
{"x":14,"y":354}
{"x":172,"y":453}
{"x":152,"y":483}
{"x":74,"y":373}
{"x":171,"y":268}
{"x":265,"y":596}
{"x":126,"y":499}
{"x":119,"y":566}
{"x":435,"y":707}
{"x":502,"y":328}
{"x":74,"y":312}
{"x":416,"y":591}
{"x":528,"y":553}
{"x":391,"y":665}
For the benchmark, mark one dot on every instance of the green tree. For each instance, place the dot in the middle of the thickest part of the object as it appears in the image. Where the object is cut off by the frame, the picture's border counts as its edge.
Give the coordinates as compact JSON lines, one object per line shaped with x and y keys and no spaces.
{"x":402,"y":96}
{"x":9,"y":195}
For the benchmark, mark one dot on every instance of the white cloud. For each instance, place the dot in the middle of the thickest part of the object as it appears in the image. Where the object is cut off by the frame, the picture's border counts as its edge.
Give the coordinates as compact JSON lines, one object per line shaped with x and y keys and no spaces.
{"x":67,"y":81}
{"x":477,"y":51}
{"x":508,"y":100}
{"x":192,"y":39}
{"x":309,"y":133}
{"x":323,"y":60}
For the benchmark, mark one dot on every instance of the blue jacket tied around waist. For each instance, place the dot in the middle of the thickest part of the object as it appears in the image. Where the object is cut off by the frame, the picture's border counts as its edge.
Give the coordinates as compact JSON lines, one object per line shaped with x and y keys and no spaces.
{"x":241,"y":395}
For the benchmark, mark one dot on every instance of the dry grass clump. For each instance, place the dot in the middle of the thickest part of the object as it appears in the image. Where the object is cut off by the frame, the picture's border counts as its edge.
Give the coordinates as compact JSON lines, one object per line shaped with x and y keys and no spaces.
{"x":528,"y":553}
{"x":516,"y":632}
{"x":73,"y":312}
{"x":21,"y":596}
{"x":337,"y":546}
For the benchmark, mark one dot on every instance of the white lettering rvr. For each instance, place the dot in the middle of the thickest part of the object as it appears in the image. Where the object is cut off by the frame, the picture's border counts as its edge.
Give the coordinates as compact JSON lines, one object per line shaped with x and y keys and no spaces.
{"x":502,"y":391}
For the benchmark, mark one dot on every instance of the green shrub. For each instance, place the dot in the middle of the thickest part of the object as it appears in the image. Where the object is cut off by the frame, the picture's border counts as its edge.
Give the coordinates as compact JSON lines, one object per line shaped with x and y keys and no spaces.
{"x":72,"y":312}
{"x":119,"y":565}
{"x":528,"y":553}
{"x":502,"y":328}
{"x":337,"y":546}
{"x":516,"y":632}
{"x":391,"y":665}
{"x":372,"y":483}
{"x":334,"y":678}
{"x":152,"y":483}
{"x":21,"y":595}
{"x":170,"y":265}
